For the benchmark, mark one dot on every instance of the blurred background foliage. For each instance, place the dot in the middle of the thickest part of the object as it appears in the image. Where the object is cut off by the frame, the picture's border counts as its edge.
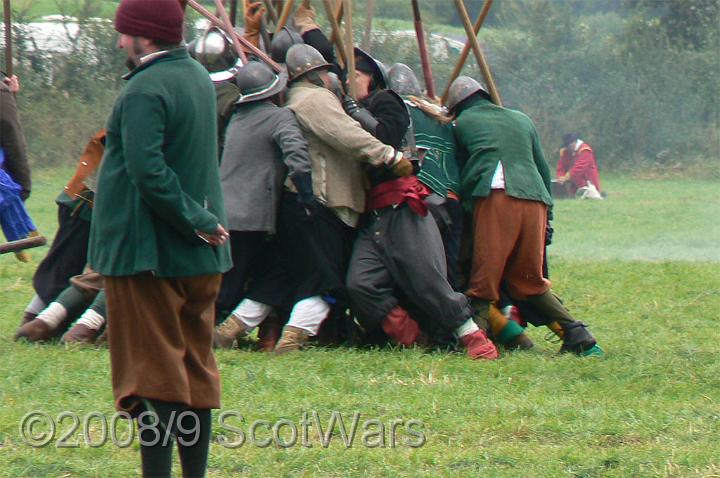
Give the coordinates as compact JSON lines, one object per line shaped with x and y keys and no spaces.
{"x":638,"y":79}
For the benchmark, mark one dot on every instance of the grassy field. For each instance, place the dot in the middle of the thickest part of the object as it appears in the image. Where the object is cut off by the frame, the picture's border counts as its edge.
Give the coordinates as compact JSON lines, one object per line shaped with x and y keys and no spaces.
{"x":642,"y":268}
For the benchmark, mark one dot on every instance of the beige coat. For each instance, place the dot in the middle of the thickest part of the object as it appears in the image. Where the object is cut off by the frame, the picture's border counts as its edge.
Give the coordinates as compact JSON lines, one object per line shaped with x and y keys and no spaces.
{"x":338,"y":146}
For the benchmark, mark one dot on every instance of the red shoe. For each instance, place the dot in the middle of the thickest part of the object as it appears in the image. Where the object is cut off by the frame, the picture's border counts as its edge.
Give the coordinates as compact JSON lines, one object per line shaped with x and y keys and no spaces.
{"x":478,"y":346}
{"x":400,"y":327}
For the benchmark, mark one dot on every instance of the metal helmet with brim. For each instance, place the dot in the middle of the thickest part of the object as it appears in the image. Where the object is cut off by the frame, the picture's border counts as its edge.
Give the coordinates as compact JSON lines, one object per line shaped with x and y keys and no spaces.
{"x":461,"y":89}
{"x":402,"y":80}
{"x":257,"y":81}
{"x":303,"y":58}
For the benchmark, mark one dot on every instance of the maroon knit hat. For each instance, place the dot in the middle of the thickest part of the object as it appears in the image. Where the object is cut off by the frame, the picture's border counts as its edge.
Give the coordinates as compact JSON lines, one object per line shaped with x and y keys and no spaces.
{"x":154,"y":19}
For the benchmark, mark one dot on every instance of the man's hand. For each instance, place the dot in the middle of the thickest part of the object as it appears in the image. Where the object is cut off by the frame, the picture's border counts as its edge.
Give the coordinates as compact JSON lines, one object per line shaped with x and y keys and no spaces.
{"x":305,"y":19}
{"x":218,"y":238}
{"x":402,"y":168}
{"x":254,"y":12}
{"x":13,"y":83}
{"x":563,"y":179}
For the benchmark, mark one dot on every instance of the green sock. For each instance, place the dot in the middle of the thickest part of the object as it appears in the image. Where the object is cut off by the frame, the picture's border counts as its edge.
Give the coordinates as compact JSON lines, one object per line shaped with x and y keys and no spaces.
{"x":155,"y":445}
{"x":509,"y":332}
{"x":194,"y":456}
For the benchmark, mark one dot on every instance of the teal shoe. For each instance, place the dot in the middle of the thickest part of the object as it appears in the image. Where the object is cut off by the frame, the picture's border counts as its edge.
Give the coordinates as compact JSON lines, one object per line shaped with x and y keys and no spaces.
{"x":594,"y":351}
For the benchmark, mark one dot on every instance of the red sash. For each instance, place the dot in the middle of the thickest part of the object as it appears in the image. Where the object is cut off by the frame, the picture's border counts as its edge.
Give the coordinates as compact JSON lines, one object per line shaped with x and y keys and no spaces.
{"x":398,"y":191}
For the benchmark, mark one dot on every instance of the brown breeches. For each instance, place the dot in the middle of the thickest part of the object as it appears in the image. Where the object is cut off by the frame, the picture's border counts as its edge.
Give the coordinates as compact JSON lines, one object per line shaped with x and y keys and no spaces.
{"x":160,"y":337}
{"x":508,"y":244}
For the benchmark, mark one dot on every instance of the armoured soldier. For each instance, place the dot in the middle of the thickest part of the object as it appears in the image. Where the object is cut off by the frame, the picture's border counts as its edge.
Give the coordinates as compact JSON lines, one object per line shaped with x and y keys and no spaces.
{"x":506,"y":186}
{"x":214,"y":51}
{"x":318,"y":247}
{"x":431,"y":134}
{"x":263,"y":148}
{"x":388,"y":272}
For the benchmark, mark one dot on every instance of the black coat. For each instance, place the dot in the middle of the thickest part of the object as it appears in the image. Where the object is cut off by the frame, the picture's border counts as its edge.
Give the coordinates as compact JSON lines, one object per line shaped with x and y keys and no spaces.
{"x":394,"y":121}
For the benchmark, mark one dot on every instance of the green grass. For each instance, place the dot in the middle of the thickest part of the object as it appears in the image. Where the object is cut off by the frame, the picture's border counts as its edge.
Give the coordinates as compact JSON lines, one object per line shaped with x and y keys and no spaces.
{"x":650,"y":408}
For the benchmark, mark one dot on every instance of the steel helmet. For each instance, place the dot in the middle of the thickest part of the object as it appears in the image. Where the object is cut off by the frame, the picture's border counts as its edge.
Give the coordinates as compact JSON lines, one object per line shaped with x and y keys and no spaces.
{"x":461,"y":89}
{"x":257,"y":81}
{"x":281,"y":43}
{"x":213,"y":49}
{"x":403,"y":80}
{"x":303,"y":58}
{"x":379,"y":72}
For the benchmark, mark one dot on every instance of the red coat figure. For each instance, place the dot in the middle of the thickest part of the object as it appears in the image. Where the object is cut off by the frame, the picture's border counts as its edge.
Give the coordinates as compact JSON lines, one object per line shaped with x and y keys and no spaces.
{"x":577,"y":165}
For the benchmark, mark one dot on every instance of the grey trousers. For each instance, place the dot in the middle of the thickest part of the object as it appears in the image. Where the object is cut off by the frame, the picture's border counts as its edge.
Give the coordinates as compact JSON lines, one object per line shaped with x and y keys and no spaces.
{"x":400,"y":255}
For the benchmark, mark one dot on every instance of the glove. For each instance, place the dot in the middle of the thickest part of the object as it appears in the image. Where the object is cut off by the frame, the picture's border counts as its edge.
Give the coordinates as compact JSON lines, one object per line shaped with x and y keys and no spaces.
{"x":305,"y":196}
{"x":400,"y":165}
{"x":304,"y":19}
{"x":548,"y":233}
{"x":253,"y":18}
{"x":361,"y":115}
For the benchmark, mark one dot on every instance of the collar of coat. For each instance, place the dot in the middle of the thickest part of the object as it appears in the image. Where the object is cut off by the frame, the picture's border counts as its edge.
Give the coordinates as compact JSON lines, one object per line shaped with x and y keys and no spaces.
{"x":156,"y":57}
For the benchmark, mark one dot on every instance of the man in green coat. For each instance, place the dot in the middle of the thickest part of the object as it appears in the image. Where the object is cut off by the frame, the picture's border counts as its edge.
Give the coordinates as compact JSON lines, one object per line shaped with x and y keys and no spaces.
{"x":157,"y":238}
{"x":505,"y":185}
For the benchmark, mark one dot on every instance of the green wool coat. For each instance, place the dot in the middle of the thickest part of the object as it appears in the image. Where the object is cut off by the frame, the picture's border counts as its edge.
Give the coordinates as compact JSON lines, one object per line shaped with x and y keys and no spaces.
{"x":487,"y":134}
{"x":159,"y":181}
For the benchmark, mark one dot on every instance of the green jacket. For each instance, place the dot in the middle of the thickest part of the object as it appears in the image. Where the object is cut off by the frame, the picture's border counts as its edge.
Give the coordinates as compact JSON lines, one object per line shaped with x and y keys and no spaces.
{"x":487,"y":134}
{"x":159,"y":181}
{"x":439,"y":171}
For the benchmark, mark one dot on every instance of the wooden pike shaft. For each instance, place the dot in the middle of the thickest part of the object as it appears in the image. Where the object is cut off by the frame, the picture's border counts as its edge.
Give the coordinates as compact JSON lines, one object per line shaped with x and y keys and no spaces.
{"x":338,"y":15}
{"x":233,"y":11}
{"x":233,"y":34}
{"x":466,"y":49}
{"x":336,"y":36}
{"x":287,"y":9}
{"x":230,"y":30}
{"x":7,"y":17}
{"x":349,"y":45}
{"x":422,"y":46}
{"x":272,"y":13}
{"x":368,"y":25}
{"x":484,"y":68}
{"x":22,"y":244}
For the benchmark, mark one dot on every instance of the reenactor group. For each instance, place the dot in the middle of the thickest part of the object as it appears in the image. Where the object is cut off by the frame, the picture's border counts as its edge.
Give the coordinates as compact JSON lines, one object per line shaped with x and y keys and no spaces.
{"x":223,"y":196}
{"x":385,"y":218}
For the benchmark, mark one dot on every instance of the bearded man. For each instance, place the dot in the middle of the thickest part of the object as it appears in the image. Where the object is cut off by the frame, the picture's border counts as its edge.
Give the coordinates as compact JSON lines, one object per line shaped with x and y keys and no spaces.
{"x":157,"y":238}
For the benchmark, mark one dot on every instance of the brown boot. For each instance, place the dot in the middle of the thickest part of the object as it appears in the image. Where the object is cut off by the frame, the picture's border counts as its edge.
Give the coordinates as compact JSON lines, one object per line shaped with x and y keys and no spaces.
{"x":80,"y":334}
{"x":269,"y":333}
{"x":27,"y":317}
{"x":35,"y":331}
{"x":292,"y":339}
{"x":226,"y":333}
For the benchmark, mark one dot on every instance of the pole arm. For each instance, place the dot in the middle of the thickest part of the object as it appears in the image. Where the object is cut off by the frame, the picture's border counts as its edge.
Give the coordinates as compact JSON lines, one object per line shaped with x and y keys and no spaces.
{"x":422,"y":47}
{"x":466,"y":49}
{"x":368,"y":25}
{"x":479,"y":56}
{"x":284,"y":15}
{"x":338,"y":16}
{"x":7,"y":17}
{"x":349,"y":44}
{"x":336,"y":36}
{"x":272,"y":13}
